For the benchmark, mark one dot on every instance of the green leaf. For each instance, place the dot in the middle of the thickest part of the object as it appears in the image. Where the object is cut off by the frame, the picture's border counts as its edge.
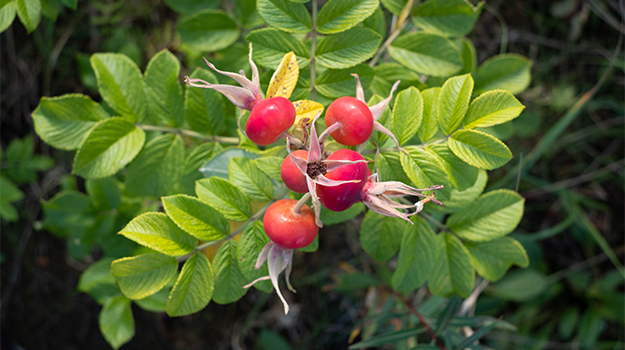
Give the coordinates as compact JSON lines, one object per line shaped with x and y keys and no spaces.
{"x":492,"y":108}
{"x":461,"y":174}
{"x":253,"y":240}
{"x":67,"y":211}
{"x":446,"y":17}
{"x":407,"y":114}
{"x":590,"y":329}
{"x":218,"y":165}
{"x":506,"y":72}
{"x":520,"y":286}
{"x":50,"y":8}
{"x":121,"y":84}
{"x":492,"y":259}
{"x":429,"y":124}
{"x":335,"y":83}
{"x":105,"y":193}
{"x":428,"y":54}
{"x":492,"y":215}
{"x":329,"y":217}
{"x":347,"y":49}
{"x":376,"y":22}
{"x":209,"y":30}
{"x":567,"y":323}
{"x":271,"y":166}
{"x":392,"y":72}
{"x":70,"y":3}
{"x":190,"y":7}
{"x":98,"y":273}
{"x":394,"y":6}
{"x":425,"y":170}
{"x":460,"y":199}
{"x":469,"y":56}
{"x":163,"y":90}
{"x":64,"y":121}
{"x":390,"y":167}
{"x":204,"y":108}
{"x":222,"y":195}
{"x":143,"y":275}
{"x":111,"y":144}
{"x":196,"y":217}
{"x":195,"y":158}
{"x":417,"y":254}
{"x":156,"y":302}
{"x":193,"y":289}
{"x":381,"y":236}
{"x":157,"y":231}
{"x":285,"y":15}
{"x":29,"y":12}
{"x":7,"y":15}
{"x":116,"y":322}
{"x":246,"y":176}
{"x":453,"y":272}
{"x":270,"y":46}
{"x":156,"y":171}
{"x":340,"y":15}
{"x":453,"y":102}
{"x":229,"y":279}
{"x":479,"y":149}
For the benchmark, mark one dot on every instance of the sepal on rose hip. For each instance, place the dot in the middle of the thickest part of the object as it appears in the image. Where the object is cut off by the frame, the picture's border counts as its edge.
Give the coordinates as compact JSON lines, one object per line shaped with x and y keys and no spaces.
{"x":377,"y":197}
{"x":278,"y":259}
{"x":245,"y":96}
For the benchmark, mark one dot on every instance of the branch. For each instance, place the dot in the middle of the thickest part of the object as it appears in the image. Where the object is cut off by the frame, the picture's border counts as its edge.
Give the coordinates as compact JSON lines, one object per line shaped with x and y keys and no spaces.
{"x":191,"y":133}
{"x":414,"y":311}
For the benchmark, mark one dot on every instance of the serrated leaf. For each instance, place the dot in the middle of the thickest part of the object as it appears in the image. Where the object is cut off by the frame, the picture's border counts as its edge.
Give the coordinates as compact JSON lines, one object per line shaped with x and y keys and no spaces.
{"x":67,"y":211}
{"x":218,"y":165}
{"x":461,"y":175}
{"x":157,"y":231}
{"x":111,"y":144}
{"x":204,"y":108}
{"x":196,"y":217}
{"x":492,"y":259}
{"x":163,"y":90}
{"x":156,"y":171}
{"x":209,"y":30}
{"x":97,"y":274}
{"x":453,"y":102}
{"x":190,"y":7}
{"x":429,"y":124}
{"x":156,"y":302}
{"x":446,"y":17}
{"x":246,"y":176}
{"x":143,"y":275}
{"x":492,"y":215}
{"x":285,"y":15}
{"x":306,"y":109}
{"x":329,"y":217}
{"x":390,"y":168}
{"x":479,"y":149}
{"x":29,"y":12}
{"x":425,"y":170}
{"x":453,"y":272}
{"x":391,"y":72}
{"x":347,"y":49}
{"x":193,"y":289}
{"x":460,"y":199}
{"x":10,"y":192}
{"x":222,"y":195}
{"x":252,"y":241}
{"x":271,"y":166}
{"x":105,"y":193}
{"x":469,"y":56}
{"x":335,"y":83}
{"x":407,"y":114}
{"x":380,"y":236}
{"x":506,"y":72}
{"x":193,"y":161}
{"x":7,"y":15}
{"x":116,"y":322}
{"x":492,"y":108}
{"x":428,"y":54}
{"x":64,"y":121}
{"x":270,"y":46}
{"x":340,"y":15}
{"x":394,"y":6}
{"x":284,"y":78}
{"x":376,"y":22}
{"x":417,"y":255}
{"x":520,"y":286}
{"x":229,"y":279}
{"x":120,"y":84}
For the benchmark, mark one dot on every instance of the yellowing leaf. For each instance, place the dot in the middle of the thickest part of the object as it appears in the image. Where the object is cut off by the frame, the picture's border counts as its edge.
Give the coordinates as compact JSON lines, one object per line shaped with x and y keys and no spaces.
{"x":306,"y":109}
{"x":285,"y":77}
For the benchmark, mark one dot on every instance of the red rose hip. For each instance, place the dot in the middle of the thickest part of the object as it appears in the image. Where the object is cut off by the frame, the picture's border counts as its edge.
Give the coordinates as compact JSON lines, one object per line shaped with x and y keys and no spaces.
{"x":339,"y":198}
{"x":287,"y":228}
{"x":269,"y":119}
{"x":355,"y":119}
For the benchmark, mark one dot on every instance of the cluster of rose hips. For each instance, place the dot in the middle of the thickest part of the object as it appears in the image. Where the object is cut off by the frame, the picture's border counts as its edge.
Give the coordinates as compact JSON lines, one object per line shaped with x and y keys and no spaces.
{"x":337,"y":180}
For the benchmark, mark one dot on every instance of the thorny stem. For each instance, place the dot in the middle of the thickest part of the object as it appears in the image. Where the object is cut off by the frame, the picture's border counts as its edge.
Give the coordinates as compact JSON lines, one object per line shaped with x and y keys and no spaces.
{"x":190,"y":133}
{"x":414,"y":311}
{"x":301,"y":203}
{"x":313,"y":73}
{"x":240,"y":229}
{"x":400,"y":25}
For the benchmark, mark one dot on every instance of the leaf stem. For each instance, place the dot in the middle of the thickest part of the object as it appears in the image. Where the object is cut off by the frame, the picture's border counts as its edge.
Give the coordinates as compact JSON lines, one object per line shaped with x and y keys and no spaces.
{"x":414,"y":311}
{"x":400,"y":26}
{"x":191,"y":133}
{"x":255,"y":217}
{"x":313,"y":73}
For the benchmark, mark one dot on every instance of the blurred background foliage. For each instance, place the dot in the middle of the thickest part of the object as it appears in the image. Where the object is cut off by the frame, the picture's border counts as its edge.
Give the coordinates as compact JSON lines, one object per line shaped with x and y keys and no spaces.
{"x":570,"y":137}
